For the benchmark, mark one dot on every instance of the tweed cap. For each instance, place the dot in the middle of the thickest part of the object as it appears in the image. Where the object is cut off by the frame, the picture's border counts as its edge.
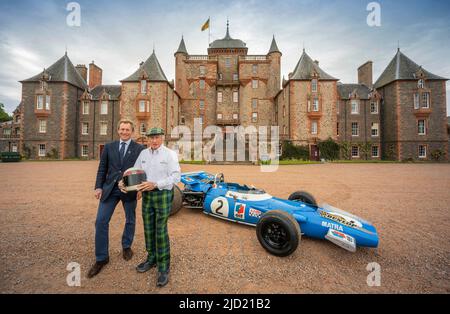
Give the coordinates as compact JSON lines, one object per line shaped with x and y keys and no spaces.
{"x":155,"y":131}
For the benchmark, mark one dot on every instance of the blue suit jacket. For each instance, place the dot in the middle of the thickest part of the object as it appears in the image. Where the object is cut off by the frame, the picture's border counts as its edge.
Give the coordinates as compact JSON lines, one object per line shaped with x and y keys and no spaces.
{"x":110,"y":171}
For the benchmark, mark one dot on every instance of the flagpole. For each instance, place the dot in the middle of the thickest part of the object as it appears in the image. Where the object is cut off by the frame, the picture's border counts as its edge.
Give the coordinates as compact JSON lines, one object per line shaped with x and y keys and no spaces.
{"x":209,"y":31}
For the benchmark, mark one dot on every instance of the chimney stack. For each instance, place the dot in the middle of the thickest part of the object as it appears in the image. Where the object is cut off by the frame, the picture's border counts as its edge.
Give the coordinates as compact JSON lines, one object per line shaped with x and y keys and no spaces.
{"x":316,"y":62}
{"x":95,"y":75}
{"x":82,"y":70}
{"x":365,"y":74}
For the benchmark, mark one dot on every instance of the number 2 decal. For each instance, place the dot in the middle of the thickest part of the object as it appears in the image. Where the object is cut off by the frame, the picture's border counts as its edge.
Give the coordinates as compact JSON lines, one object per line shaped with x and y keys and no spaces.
{"x":219,"y":206}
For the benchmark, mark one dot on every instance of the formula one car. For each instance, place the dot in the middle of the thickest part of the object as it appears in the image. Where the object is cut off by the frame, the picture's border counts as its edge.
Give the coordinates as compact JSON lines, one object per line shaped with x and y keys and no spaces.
{"x":279,"y":223}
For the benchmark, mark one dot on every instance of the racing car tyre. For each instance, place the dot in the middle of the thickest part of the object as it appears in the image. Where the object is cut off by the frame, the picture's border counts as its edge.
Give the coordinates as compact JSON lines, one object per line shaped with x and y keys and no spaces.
{"x":304,"y":197}
{"x":278,"y":232}
{"x":177,"y":201}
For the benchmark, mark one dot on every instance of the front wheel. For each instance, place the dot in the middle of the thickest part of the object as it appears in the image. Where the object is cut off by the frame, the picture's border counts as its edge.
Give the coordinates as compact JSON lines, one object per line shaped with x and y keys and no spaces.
{"x":177,"y":201}
{"x":278,"y":232}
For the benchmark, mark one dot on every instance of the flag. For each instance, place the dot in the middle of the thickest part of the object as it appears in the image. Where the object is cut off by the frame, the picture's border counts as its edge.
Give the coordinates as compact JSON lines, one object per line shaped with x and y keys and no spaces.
{"x":206,"y":25}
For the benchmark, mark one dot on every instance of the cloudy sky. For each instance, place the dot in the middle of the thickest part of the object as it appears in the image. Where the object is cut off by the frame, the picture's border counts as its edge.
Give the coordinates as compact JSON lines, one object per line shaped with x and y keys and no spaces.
{"x":120,"y":34}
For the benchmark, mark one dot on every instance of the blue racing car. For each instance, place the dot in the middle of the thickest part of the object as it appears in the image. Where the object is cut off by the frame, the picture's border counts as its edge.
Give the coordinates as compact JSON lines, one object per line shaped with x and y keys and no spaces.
{"x":279,"y":223}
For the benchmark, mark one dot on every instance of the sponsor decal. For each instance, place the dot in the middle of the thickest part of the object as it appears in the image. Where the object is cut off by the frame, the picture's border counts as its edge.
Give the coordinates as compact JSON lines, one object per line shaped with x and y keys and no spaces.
{"x":338,"y":234}
{"x":239,"y":211}
{"x":331,"y":225}
{"x":254,"y":213}
{"x":340,"y":219}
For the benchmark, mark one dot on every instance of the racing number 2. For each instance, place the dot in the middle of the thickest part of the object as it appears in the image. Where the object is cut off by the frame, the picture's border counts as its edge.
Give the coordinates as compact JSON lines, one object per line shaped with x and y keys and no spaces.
{"x":219,"y":206}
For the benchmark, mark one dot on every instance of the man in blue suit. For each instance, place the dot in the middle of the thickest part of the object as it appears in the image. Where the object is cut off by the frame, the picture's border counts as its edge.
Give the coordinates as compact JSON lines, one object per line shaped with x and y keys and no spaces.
{"x":116,"y":158}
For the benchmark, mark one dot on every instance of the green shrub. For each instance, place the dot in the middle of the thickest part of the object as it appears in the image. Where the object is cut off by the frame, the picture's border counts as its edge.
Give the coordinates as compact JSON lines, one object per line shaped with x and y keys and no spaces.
{"x":291,"y":151}
{"x":329,"y":149}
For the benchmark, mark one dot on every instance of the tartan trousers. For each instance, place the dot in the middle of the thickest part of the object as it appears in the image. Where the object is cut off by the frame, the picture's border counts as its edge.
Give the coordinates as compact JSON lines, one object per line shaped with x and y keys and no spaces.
{"x":156,"y":207}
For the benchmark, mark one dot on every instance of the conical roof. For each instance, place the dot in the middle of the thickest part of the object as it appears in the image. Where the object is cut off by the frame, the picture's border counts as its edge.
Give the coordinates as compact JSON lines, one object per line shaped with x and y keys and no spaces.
{"x":402,"y":68}
{"x":62,"y":70}
{"x":151,"y":68}
{"x":306,"y":67}
{"x":273,"y":46}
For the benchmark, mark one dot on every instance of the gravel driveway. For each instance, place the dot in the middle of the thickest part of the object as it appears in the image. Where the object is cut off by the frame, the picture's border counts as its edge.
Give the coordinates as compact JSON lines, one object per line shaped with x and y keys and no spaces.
{"x":47,"y":215}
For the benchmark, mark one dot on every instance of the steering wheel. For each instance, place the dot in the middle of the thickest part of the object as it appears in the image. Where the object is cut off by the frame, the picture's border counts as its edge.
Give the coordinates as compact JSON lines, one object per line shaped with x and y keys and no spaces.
{"x":218,"y":178}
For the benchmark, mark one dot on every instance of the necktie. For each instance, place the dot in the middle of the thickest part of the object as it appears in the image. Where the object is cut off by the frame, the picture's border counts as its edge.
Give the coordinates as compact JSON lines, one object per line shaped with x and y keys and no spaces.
{"x":122,"y":151}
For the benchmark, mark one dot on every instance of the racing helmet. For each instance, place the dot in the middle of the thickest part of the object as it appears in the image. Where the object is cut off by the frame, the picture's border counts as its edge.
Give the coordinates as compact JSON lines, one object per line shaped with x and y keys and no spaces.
{"x":132,"y":177}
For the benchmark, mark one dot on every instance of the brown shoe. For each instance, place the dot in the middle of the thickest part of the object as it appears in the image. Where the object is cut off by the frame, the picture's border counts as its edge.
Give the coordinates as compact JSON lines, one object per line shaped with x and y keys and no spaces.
{"x":96,"y":268}
{"x":127,"y":254}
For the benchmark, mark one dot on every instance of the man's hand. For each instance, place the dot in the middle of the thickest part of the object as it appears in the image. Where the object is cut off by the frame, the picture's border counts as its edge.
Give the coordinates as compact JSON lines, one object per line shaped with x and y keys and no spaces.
{"x":139,"y":195}
{"x":121,"y":186}
{"x":146,"y":186}
{"x":98,"y":193}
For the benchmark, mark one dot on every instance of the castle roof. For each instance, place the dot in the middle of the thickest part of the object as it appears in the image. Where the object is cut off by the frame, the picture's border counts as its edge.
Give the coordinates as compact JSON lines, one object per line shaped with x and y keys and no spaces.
{"x":227,"y":42}
{"x":306,"y":67}
{"x":345,"y":90}
{"x":113,"y":90}
{"x":402,"y":68}
{"x":182,"y":47}
{"x":151,"y":69}
{"x":61,"y":71}
{"x":273,"y":46}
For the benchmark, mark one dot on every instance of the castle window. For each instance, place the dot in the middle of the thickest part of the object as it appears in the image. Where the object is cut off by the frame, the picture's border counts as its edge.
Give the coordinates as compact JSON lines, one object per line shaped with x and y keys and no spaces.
{"x":314,"y":127}
{"x":143,"y":87}
{"x":254,"y":117}
{"x":426,"y":100}
{"x":220,"y":76}
{"x":103,"y":128}
{"x":422,"y":151}
{"x":219,"y":96}
{"x":337,"y":128}
{"x":6,"y":131}
{"x":337,"y":107}
{"x":235,"y":96}
{"x":315,"y":106}
{"x":373,"y":107}
{"x":219,"y":116}
{"x":416,"y":101}
{"x":235,"y":116}
{"x":421,"y":127}
{"x":355,"y":107}
{"x":355,"y":129}
{"x":40,"y":102}
{"x":314,"y":85}
{"x":200,"y":119}
{"x":84,"y":150}
{"x":42,"y":150}
{"x":201,"y":104}
{"x":182,"y":120}
{"x":142,"y":128}
{"x":42,"y":126}
{"x":85,"y":107}
{"x":374,"y":130}
{"x":85,"y":128}
{"x":255,"y":69}
{"x":254,"y":83}
{"x":421,"y":83}
{"x":47,"y":102}
{"x":202,"y":70}
{"x":202,"y":84}
{"x":254,"y":103}
{"x":355,"y":151}
{"x":104,"y":107}
{"x":227,"y":62}
{"x":375,"y":152}
{"x":235,"y":77}
{"x":141,"y":105}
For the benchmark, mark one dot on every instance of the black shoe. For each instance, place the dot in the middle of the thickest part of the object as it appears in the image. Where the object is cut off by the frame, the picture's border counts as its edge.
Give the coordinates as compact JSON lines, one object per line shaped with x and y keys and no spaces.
{"x":145,"y":266}
{"x":163,"y":279}
{"x":127,"y":254}
{"x":97,"y":267}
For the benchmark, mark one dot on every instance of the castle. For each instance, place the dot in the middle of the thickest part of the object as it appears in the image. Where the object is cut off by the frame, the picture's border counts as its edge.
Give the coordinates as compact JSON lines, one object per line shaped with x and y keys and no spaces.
{"x":66,"y":112}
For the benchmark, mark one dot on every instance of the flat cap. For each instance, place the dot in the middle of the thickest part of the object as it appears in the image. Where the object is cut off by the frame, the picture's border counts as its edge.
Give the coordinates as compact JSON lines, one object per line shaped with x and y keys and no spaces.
{"x":155,"y":131}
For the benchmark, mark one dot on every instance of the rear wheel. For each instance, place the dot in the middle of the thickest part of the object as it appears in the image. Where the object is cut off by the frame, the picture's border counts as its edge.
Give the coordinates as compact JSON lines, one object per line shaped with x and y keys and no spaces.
{"x":304,"y":197}
{"x":177,"y":201}
{"x":278,"y":232}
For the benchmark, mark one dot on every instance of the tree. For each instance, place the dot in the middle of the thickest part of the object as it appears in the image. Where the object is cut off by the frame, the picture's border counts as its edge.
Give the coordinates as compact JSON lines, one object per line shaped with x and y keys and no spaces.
{"x":3,"y":115}
{"x":345,"y":147}
{"x":365,"y":149}
{"x":329,"y":149}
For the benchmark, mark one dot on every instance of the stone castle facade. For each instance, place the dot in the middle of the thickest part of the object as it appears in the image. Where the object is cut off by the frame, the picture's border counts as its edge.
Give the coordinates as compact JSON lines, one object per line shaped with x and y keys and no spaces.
{"x":66,"y":111}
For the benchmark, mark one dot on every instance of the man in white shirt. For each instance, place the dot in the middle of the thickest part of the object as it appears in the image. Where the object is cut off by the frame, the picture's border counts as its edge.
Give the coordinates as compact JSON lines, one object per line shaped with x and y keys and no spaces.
{"x":163,"y":172}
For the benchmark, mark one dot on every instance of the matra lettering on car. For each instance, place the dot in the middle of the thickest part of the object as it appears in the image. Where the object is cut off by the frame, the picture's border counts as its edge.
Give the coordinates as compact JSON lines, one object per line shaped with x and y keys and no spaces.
{"x":332,"y":226}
